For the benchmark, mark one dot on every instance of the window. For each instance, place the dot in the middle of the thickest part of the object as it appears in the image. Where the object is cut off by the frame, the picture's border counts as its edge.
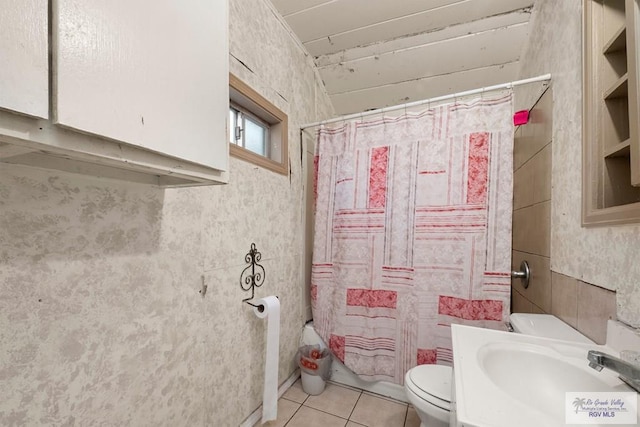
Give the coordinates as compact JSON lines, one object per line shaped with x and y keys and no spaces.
{"x":611,"y":114}
{"x":248,"y":131}
{"x":257,"y":128}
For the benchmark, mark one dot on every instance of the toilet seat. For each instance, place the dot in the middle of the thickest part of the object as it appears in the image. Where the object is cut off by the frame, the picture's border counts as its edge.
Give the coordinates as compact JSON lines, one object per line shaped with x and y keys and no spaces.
{"x":431,"y":383}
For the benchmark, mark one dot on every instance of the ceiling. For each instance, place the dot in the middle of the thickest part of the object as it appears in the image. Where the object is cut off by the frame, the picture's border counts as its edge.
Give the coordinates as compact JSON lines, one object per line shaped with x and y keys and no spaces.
{"x":377,"y":53}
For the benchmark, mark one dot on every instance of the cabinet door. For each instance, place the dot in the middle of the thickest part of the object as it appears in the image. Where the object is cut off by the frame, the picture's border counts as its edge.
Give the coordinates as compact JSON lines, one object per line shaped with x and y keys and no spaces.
{"x":152,"y":74}
{"x":24,"y":57}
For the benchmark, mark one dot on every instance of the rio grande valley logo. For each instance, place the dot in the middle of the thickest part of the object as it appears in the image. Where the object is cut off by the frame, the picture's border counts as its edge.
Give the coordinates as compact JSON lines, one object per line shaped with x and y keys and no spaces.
{"x":601,"y":408}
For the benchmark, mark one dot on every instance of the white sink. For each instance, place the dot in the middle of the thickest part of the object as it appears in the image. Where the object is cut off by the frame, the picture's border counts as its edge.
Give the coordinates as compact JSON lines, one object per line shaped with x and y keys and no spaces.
{"x":537,"y":376}
{"x":507,"y":379}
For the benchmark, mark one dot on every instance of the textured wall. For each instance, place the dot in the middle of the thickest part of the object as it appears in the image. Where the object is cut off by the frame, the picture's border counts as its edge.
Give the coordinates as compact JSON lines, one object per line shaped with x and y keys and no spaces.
{"x":603,"y":256}
{"x":101,"y":320}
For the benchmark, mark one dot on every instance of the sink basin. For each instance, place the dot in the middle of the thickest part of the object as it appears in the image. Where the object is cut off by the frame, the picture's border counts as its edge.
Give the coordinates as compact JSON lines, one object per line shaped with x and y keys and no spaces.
{"x":538,"y":376}
{"x":507,"y":379}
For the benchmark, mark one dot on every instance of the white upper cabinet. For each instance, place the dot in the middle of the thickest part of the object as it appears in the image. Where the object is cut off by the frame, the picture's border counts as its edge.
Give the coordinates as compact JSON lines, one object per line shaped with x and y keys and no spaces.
{"x":24,"y":57}
{"x":149,"y":74}
{"x":139,"y":89}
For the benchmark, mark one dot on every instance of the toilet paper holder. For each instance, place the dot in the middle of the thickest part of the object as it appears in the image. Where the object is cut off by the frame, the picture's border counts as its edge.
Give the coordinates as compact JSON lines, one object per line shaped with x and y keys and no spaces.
{"x":252,"y":276}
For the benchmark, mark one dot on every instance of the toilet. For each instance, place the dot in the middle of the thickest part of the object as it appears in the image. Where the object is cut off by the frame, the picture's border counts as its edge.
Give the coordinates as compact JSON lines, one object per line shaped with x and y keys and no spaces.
{"x":428,"y":387}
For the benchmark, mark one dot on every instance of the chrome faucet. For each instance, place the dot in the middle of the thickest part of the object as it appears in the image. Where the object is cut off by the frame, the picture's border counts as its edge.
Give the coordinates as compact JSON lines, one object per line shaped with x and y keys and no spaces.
{"x":629,"y":373}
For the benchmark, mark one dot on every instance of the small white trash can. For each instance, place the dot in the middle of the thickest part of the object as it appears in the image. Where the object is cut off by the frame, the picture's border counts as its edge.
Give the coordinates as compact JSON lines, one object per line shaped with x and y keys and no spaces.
{"x":314,"y":363}
{"x":312,"y":384}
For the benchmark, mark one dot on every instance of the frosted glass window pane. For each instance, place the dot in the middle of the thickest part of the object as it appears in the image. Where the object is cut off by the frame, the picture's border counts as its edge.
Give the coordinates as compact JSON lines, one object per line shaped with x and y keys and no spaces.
{"x":254,"y":137}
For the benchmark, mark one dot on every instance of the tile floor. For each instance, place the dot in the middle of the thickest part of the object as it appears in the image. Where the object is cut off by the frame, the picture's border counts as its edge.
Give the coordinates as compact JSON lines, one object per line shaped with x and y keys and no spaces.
{"x":341,"y":406}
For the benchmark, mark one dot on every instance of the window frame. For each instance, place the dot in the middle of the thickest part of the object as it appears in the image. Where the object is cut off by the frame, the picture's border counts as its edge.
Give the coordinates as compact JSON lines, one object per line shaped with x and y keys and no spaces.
{"x":257,"y":106}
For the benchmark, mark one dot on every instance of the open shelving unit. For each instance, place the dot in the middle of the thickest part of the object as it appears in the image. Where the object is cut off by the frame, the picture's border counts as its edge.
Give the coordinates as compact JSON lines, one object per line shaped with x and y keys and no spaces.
{"x":611,"y":175}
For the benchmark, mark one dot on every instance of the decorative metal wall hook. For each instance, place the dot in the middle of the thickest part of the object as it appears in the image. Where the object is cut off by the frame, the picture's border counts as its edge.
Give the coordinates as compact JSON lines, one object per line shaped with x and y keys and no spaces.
{"x":252,"y":276}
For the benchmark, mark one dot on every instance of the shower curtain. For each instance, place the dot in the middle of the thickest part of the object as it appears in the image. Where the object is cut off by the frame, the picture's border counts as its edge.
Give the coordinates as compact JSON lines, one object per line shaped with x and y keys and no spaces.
{"x":412,"y":233}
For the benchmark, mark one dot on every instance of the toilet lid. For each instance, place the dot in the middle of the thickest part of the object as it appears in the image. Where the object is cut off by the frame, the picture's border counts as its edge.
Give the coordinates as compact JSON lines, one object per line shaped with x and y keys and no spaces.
{"x":434,"y":380}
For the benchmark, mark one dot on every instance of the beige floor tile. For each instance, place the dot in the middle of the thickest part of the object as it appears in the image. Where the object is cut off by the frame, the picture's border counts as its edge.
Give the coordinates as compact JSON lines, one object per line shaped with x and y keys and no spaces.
{"x":296,"y":393}
{"x":374,"y":411}
{"x":335,"y":400}
{"x":413,"y":420}
{"x":309,"y":417}
{"x":286,"y":409}
{"x":344,"y":386}
{"x":379,"y":396}
{"x":352,"y":424}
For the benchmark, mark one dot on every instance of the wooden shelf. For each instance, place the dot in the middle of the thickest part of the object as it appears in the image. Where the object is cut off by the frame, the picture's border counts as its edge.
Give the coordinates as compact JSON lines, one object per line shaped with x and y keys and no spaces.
{"x":611,"y":129}
{"x":622,"y":149}
{"x":619,"y":89}
{"x":617,"y":43}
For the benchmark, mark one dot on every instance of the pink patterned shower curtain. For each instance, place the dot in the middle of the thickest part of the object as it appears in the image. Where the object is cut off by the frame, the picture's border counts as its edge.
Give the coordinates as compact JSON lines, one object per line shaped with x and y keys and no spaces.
{"x":412,"y":233}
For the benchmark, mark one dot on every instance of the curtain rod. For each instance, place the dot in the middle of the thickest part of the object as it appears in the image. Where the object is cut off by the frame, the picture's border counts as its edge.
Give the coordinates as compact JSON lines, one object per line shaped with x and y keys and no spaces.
{"x":509,"y":85}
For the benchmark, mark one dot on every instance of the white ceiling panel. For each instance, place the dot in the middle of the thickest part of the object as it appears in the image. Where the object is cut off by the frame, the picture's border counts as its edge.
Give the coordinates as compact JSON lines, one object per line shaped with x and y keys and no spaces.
{"x":346,"y":15}
{"x":287,"y":7}
{"x":439,"y":18}
{"x":376,"y":49}
{"x":453,"y":55}
{"x":428,"y":87}
{"x":376,"y":53}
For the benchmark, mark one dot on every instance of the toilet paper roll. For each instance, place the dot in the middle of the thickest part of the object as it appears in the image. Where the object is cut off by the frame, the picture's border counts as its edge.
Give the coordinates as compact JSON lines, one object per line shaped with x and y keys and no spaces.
{"x":271,"y":311}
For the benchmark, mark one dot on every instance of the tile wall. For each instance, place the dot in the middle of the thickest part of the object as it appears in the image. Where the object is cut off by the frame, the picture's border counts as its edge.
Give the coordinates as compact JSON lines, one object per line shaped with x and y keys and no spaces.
{"x":581,"y":305}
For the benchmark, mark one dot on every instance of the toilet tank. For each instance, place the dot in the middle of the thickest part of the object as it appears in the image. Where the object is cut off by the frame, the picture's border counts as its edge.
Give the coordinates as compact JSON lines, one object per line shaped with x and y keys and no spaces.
{"x":545,"y":325}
